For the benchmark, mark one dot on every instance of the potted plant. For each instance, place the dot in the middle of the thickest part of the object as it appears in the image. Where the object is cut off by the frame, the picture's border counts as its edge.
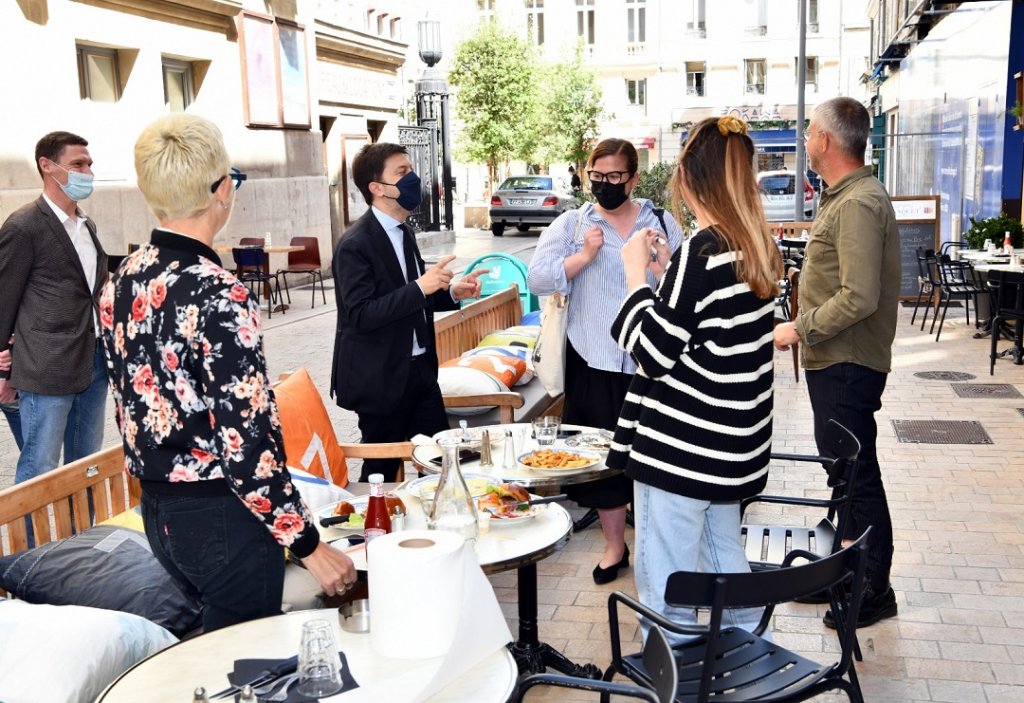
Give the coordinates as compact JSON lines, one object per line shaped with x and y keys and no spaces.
{"x":994,"y":228}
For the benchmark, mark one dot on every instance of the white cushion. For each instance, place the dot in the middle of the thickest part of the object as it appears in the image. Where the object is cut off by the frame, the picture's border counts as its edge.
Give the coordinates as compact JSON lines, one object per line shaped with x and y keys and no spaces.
{"x":69,"y":653}
{"x":459,"y":380}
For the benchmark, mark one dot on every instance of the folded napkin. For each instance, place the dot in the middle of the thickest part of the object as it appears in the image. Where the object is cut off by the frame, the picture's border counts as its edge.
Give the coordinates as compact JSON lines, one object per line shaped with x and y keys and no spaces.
{"x":422,"y":440}
{"x":248,"y":669}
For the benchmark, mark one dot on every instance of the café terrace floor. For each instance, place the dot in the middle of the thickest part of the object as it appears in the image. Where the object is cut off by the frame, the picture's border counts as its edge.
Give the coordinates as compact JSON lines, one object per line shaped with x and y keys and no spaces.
{"x":959,"y":534}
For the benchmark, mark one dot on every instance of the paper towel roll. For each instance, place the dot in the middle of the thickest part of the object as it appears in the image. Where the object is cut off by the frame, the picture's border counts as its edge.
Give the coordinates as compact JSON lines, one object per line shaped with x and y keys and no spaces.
{"x":418,"y":626}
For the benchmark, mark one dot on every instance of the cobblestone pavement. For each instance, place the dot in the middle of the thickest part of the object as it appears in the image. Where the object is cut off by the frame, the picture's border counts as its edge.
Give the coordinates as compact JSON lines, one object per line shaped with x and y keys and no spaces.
{"x":959,"y":566}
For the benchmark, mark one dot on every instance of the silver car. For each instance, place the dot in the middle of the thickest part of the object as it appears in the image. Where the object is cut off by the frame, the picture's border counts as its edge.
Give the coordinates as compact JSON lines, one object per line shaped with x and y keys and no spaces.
{"x":528,"y":201}
{"x":777,"y":196}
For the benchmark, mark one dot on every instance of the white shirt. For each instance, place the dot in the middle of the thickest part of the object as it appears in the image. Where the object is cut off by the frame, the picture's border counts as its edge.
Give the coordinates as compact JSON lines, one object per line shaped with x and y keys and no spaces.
{"x":396,"y":236}
{"x":84,"y":246}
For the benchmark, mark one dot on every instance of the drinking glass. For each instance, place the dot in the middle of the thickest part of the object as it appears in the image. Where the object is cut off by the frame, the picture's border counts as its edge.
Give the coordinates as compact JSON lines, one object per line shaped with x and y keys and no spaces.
{"x":545,"y":429}
{"x":319,"y":665}
{"x":427,"y":492}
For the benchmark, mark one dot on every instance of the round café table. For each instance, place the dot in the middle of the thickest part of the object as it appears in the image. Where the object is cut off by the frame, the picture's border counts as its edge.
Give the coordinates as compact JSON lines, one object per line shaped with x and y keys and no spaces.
{"x":272,"y":249}
{"x":174,"y":673}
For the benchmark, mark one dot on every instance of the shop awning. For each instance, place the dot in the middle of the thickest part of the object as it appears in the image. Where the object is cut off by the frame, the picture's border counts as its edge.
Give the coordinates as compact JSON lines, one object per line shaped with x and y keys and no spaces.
{"x":767,"y":141}
{"x":643,"y":142}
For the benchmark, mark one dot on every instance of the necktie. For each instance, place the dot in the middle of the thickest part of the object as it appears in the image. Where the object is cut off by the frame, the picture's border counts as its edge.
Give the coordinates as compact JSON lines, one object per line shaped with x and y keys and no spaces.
{"x":412,"y":272}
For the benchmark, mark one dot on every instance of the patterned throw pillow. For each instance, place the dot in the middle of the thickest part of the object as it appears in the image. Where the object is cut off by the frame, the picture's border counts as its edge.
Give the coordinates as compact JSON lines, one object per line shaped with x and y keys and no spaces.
{"x":507,"y":338}
{"x":508,"y":353}
{"x":506,"y":369}
{"x":461,"y":380}
{"x":309,"y":440}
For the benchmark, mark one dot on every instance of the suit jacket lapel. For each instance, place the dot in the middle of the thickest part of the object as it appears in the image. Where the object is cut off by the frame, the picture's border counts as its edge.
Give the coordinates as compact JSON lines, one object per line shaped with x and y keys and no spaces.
{"x":101,"y":258}
{"x":382,"y":248}
{"x":64,"y":241}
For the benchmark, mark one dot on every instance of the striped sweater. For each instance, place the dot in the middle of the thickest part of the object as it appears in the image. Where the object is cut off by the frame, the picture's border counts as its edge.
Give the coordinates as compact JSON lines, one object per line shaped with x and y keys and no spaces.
{"x":698,"y":417}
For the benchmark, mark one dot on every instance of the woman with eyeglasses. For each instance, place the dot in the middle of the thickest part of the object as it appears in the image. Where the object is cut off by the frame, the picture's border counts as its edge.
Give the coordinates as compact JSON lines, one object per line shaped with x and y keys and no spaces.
{"x":579,"y":255}
{"x":695,"y":433}
{"x":184,"y":347}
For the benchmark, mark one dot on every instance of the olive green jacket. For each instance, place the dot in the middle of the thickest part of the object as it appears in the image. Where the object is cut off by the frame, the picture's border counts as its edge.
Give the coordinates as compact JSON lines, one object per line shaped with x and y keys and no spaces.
{"x":850,"y":282}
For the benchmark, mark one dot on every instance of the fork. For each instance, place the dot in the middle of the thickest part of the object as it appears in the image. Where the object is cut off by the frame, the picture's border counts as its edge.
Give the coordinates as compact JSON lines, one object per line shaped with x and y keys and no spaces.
{"x":276,"y":690}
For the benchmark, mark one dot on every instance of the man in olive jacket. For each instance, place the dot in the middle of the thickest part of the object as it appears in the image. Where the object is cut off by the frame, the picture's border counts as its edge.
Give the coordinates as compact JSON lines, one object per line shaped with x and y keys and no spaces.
{"x":849,"y":291}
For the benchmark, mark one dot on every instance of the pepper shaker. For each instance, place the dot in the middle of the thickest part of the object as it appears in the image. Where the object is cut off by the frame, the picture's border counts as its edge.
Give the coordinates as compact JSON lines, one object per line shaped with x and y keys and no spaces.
{"x":509,"y":457}
{"x":485,"y":449}
{"x":397,"y":520}
{"x":199,"y":695}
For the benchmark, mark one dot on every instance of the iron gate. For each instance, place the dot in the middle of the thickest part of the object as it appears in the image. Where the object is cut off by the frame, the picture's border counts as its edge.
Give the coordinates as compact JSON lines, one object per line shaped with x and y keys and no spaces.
{"x":420,"y":143}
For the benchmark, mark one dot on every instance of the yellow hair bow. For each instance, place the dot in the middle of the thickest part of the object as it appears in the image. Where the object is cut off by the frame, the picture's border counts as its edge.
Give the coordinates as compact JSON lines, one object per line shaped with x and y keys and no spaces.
{"x":731,"y":123}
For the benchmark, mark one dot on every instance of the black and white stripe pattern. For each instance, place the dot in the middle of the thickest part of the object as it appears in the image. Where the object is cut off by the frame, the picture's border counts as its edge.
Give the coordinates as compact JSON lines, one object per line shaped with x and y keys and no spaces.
{"x":698,"y":418}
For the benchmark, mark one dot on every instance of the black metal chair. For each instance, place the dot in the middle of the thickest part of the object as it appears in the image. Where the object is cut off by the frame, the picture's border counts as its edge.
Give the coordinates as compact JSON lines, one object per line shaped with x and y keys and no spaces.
{"x":767,"y":546}
{"x":926,"y":283}
{"x":731,"y":664}
{"x":955,"y":283}
{"x":251,"y":263}
{"x":1008,"y":306}
{"x":657,"y":658}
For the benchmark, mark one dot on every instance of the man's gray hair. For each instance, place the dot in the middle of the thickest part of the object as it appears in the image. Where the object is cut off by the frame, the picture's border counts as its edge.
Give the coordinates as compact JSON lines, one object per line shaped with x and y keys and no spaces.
{"x":846,"y":121}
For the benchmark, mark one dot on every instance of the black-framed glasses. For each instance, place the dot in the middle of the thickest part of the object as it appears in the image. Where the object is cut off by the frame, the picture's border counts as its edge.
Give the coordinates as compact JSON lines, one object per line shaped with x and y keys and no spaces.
{"x":613,"y":177}
{"x":236,"y":176}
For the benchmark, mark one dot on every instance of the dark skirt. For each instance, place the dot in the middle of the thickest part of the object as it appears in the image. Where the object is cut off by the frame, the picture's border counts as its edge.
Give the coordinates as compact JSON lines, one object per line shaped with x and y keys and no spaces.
{"x":595,"y":398}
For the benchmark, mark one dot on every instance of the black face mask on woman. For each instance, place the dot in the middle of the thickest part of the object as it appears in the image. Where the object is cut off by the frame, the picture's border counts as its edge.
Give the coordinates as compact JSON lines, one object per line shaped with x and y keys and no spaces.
{"x":609,"y":195}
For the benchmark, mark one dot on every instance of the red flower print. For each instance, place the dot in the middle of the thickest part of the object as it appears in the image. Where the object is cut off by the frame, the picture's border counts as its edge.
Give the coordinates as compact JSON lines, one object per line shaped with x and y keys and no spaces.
{"x":157,"y":292}
{"x":143,"y":382}
{"x":232,"y":439}
{"x":170,"y":358}
{"x":107,"y":307}
{"x":259,"y":504}
{"x":287,"y":526}
{"x":238,"y":293}
{"x":140,"y":306}
{"x":202,"y":455}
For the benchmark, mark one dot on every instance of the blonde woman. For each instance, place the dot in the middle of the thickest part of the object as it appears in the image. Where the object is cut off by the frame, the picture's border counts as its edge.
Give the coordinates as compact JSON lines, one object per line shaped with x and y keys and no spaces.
{"x":184,"y":347}
{"x":696,"y":428}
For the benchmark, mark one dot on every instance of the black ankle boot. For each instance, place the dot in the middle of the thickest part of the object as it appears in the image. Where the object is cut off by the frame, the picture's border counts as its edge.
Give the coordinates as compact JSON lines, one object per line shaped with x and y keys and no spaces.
{"x":874,"y":607}
{"x":609,"y":574}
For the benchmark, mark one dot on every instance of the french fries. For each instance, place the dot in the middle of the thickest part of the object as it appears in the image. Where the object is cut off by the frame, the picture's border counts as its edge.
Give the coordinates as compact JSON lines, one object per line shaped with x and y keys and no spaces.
{"x":550,"y":459}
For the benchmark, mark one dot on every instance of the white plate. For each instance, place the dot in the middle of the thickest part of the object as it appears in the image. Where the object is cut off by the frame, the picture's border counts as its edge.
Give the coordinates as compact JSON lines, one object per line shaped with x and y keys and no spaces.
{"x":476,"y":483}
{"x":358,"y":502}
{"x":593,"y":459}
{"x":595,"y":441}
{"x":507,"y":521}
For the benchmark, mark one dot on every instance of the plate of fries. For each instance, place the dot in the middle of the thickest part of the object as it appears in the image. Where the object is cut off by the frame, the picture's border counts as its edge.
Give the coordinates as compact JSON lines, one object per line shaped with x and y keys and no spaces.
{"x":559,"y":460}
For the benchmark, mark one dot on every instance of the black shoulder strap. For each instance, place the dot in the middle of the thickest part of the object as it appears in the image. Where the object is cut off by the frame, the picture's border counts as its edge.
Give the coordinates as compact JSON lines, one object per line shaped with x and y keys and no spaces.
{"x":659,"y":212}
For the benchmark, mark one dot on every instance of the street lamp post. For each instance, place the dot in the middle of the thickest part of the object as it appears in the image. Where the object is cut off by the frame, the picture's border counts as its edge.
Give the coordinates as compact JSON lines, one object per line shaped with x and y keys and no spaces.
{"x":432,"y":111}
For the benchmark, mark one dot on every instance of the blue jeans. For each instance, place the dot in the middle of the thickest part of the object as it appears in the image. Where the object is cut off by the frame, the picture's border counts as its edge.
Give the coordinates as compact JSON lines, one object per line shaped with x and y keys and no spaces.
{"x":13,"y":415}
{"x":218,"y":552}
{"x":851,"y":395}
{"x":51,"y":422}
{"x":676,"y":533}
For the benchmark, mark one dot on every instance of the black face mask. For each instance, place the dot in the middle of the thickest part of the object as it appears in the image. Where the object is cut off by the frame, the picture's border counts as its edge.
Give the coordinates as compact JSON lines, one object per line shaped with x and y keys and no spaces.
{"x":609,"y":196}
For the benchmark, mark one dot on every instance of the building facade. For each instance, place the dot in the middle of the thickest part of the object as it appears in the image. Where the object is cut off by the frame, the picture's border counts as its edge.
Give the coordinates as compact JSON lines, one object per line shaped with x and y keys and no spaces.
{"x":296,"y":86}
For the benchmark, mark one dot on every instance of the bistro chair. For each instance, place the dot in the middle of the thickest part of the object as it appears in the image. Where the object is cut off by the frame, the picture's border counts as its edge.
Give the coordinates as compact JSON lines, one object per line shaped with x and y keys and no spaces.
{"x":251,"y":263}
{"x":955,"y":282}
{"x":1008,"y":307}
{"x":657,"y":658}
{"x":788,"y":302}
{"x":306,"y":262}
{"x":726,"y":663}
{"x":248,"y":242}
{"x":926,"y":283}
{"x":503,"y":270}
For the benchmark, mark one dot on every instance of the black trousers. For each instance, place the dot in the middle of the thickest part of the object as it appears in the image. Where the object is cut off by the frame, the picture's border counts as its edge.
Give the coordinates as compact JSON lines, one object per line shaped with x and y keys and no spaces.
{"x":217,"y":551}
{"x":420,"y":411}
{"x":595,"y":398}
{"x":851,"y":394}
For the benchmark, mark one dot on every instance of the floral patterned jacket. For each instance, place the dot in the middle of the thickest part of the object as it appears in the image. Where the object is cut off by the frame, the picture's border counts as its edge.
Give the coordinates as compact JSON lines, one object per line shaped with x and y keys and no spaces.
{"x":184,"y":347}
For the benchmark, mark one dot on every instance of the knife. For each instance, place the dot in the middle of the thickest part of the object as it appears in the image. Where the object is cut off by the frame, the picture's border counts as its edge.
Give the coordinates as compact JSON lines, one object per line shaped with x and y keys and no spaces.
{"x":534,"y":501}
{"x":266,"y":676}
{"x":334,"y":520}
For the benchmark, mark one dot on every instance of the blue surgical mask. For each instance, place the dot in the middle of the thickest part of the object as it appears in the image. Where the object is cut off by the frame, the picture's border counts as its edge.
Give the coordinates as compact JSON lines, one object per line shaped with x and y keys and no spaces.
{"x":79,"y":185}
{"x":409,"y":194}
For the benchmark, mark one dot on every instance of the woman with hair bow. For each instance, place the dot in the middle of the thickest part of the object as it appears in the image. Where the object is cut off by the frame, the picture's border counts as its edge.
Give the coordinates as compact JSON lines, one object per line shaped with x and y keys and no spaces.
{"x":695,"y":432}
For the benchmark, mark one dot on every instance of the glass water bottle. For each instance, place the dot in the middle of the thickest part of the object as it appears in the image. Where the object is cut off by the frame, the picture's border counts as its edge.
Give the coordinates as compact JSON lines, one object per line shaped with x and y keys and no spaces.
{"x":453,"y":508}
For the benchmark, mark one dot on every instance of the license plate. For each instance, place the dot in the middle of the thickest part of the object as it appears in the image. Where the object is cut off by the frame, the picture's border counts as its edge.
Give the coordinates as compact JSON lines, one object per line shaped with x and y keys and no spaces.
{"x":520,"y":201}
{"x":779,"y":198}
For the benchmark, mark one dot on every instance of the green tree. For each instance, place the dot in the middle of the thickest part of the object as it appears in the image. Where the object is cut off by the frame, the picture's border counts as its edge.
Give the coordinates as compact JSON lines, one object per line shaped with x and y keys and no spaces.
{"x":653,"y":184}
{"x":570,"y":109}
{"x":493,"y":71}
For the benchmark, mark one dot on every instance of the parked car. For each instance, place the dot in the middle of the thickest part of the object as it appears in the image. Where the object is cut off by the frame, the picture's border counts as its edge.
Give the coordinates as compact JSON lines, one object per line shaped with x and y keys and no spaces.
{"x":777,"y":196}
{"x":528,"y":201}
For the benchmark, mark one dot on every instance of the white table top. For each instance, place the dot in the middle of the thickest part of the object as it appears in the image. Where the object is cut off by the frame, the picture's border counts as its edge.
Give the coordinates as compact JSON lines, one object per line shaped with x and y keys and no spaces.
{"x":519,"y":473}
{"x":505,"y":546}
{"x":173,"y":674}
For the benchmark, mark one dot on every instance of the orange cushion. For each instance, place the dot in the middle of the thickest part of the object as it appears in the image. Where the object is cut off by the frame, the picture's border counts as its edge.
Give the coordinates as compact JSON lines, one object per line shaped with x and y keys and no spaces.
{"x":309,"y":440}
{"x":506,"y":369}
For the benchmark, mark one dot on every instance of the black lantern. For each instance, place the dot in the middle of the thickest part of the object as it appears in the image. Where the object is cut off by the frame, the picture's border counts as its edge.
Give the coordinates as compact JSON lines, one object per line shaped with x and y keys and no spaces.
{"x":432,"y":111}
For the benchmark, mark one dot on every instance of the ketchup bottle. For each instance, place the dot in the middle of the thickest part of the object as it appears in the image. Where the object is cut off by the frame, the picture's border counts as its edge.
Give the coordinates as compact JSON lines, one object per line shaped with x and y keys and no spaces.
{"x":378,"y":522}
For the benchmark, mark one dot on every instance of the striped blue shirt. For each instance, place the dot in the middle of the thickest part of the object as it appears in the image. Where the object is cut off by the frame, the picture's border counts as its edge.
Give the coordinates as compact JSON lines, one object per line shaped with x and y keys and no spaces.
{"x":598,"y":290}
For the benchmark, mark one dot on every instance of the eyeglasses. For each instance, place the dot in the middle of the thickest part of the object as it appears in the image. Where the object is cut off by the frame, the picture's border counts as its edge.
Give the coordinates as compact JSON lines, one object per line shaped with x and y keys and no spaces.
{"x":613,"y":177}
{"x":807,"y":134}
{"x":236,"y":177}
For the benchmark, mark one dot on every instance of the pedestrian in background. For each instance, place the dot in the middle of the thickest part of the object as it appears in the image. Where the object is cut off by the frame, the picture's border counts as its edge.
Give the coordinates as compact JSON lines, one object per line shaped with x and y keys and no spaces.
{"x":849,"y":292}
{"x":579,"y":255}
{"x":52,"y":268}
{"x":695,"y":433}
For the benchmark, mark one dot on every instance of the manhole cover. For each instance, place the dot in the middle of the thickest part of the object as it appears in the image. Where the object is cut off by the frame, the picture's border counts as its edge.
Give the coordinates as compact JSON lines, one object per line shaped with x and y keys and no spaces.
{"x":945,"y":375}
{"x":986,"y":390}
{"x":940,"y":432}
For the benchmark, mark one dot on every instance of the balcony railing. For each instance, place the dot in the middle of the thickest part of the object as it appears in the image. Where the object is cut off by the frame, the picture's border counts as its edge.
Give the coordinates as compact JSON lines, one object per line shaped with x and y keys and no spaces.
{"x":695,"y":90}
{"x":755,"y":88}
{"x":698,"y":31}
{"x":759,"y":30}
{"x":635,"y":49}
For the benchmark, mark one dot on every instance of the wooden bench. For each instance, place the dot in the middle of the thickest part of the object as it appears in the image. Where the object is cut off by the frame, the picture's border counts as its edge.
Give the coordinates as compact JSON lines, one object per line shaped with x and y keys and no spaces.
{"x":462,"y":330}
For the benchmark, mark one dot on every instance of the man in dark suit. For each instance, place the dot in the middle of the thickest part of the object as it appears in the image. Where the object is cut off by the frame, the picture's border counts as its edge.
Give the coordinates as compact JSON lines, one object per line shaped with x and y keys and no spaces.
{"x":385,"y":363}
{"x":52,"y":268}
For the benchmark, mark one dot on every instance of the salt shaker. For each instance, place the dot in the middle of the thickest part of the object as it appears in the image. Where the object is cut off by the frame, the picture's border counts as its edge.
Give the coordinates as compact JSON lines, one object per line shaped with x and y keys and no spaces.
{"x":247,"y":695}
{"x":199,"y":695}
{"x":397,"y":520}
{"x":509,"y":458}
{"x":485,"y":449}
{"x":464,"y":427}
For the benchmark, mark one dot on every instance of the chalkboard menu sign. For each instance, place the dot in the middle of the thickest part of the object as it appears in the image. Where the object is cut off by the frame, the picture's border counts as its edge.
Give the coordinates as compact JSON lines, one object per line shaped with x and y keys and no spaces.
{"x":917,"y":218}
